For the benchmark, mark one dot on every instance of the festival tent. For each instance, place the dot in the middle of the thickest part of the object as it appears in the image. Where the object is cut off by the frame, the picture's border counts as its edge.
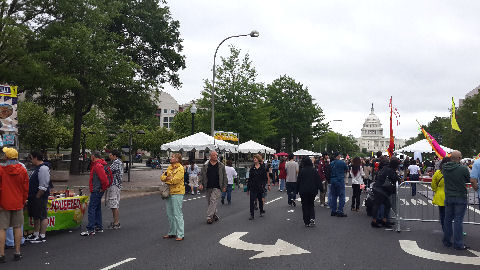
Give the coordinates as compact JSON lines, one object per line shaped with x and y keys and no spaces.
{"x":254,"y":147}
{"x":198,"y":142}
{"x":302,"y":152}
{"x":422,"y":146}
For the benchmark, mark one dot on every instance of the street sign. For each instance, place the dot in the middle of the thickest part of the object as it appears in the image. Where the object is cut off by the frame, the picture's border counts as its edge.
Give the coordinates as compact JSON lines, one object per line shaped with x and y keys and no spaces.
{"x":281,"y":248}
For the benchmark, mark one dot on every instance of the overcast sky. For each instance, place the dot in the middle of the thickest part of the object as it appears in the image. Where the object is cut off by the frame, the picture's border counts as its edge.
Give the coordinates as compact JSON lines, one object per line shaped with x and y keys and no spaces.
{"x":348,"y":53}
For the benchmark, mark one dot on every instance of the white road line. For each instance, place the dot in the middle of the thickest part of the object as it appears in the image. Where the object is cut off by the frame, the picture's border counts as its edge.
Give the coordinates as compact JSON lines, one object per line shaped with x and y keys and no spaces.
{"x":404,"y":202}
{"x":117,"y":264}
{"x":291,"y":211}
{"x":273,"y":200}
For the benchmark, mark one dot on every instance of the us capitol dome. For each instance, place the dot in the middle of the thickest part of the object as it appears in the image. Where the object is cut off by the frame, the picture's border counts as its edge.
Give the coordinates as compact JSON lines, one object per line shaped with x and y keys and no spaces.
{"x":372,"y":139}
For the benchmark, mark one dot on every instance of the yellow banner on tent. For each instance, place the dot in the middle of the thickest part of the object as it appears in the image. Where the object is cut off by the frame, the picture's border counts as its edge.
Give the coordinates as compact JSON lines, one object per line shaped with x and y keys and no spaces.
{"x":8,"y":90}
{"x":226,"y":136}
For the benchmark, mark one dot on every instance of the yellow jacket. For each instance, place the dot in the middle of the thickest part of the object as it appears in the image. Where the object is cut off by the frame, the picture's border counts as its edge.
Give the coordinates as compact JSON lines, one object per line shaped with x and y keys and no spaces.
{"x":176,"y":174}
{"x":438,"y":186}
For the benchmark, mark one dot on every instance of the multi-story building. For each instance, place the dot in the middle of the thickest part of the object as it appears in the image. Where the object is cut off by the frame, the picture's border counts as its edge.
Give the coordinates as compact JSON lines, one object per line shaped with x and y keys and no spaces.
{"x":372,"y":139}
{"x":469,"y":94}
{"x":167,"y":108}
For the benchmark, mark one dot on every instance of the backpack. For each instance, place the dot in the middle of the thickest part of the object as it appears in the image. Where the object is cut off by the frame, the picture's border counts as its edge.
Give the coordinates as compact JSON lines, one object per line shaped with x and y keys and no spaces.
{"x":109,"y":174}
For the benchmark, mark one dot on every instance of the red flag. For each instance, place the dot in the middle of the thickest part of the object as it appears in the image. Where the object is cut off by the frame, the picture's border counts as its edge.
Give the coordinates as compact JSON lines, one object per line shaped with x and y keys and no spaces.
{"x":391,"y":147}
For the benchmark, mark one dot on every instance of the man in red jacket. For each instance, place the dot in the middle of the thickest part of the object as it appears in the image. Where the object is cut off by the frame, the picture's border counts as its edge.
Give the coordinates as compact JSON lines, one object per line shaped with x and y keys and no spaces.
{"x":98,"y":184}
{"x":13,"y":195}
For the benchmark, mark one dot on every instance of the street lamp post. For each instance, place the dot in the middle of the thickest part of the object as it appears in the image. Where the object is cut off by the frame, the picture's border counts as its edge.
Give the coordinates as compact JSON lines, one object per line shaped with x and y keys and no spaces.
{"x":193,"y":110}
{"x":130,"y":142}
{"x":254,"y":33}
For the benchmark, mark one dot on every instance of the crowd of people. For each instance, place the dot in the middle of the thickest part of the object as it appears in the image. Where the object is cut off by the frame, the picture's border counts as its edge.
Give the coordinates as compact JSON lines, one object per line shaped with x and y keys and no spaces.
{"x":307,"y":177}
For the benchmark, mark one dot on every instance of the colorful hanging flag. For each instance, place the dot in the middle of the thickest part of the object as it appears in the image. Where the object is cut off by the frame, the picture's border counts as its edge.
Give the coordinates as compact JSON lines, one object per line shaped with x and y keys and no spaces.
{"x":454,"y":119}
{"x":435,"y":146}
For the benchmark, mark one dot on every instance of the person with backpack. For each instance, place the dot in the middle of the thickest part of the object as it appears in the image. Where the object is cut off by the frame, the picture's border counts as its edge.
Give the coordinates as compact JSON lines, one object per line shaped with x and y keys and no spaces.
{"x":99,"y":182}
{"x":38,"y":192}
{"x":113,"y":191}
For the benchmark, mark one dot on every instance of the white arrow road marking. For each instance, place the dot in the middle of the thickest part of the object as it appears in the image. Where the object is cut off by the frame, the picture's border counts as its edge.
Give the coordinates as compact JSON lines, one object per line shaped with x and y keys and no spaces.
{"x":281,"y":248}
{"x":117,"y":264}
{"x":404,"y":202}
{"x":291,"y":211}
{"x":412,"y":248}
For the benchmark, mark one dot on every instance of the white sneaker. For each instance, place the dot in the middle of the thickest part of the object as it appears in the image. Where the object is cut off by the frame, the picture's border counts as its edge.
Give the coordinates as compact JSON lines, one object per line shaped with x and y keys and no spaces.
{"x":198,"y":192}
{"x":193,"y":193}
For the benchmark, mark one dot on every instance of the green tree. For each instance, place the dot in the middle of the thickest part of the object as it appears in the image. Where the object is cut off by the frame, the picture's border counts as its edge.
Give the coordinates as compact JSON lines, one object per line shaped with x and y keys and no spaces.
{"x":294,"y":113}
{"x":468,"y":118}
{"x":109,"y":54}
{"x":38,"y":129}
{"x":240,"y":104}
{"x":153,"y":139}
{"x":331,"y":142}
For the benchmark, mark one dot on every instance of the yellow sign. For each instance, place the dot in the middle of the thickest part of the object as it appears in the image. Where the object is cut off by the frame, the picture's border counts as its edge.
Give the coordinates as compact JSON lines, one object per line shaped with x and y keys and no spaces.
{"x":226,"y":136}
{"x":8,"y":91}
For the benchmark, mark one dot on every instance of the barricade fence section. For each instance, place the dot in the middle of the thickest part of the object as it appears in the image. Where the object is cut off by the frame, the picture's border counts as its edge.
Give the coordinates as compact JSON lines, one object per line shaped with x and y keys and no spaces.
{"x":413,"y":201}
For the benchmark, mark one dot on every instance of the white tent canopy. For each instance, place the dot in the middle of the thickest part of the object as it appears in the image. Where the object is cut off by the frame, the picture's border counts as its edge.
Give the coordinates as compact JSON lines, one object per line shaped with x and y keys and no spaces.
{"x":254,"y":147}
{"x":302,"y":152}
{"x":199,"y":141}
{"x":422,"y":146}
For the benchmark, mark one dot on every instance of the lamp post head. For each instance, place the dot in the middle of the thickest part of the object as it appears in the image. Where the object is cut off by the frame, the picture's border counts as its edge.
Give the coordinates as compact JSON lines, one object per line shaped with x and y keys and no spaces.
{"x":254,"y":33}
{"x":193,"y":109}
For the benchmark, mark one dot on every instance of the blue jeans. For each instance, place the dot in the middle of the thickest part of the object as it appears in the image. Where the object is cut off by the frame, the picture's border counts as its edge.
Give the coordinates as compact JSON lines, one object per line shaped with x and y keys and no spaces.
{"x":414,"y":177}
{"x":282,"y":185}
{"x":291,"y":191}
{"x":228,"y":193}
{"x":455,"y":208}
{"x":9,"y":240}
{"x":95,"y":211}
{"x":337,"y":191}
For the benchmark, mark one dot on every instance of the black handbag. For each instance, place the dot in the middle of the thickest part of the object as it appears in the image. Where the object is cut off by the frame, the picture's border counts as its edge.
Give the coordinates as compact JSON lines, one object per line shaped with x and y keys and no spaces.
{"x":388,"y":185}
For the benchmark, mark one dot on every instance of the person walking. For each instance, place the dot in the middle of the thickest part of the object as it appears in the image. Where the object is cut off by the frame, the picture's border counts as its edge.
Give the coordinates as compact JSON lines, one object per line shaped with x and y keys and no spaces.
{"x":39,"y":190}
{"x":275,"y":168}
{"x":414,"y":175}
{"x":438,"y":187}
{"x":381,"y":194}
{"x":475,"y":176}
{"x":455,"y":177}
{"x":231,"y":174}
{"x":257,"y":179}
{"x":368,"y":170}
{"x":308,"y":184}
{"x":291,"y":168}
{"x":324,"y":173}
{"x":113,"y":192}
{"x":213,"y":178}
{"x":13,"y":196}
{"x":173,"y":177}
{"x":282,"y":175}
{"x":193,"y":171}
{"x":338,"y":168}
{"x":357,"y":174}
{"x":98,"y":183}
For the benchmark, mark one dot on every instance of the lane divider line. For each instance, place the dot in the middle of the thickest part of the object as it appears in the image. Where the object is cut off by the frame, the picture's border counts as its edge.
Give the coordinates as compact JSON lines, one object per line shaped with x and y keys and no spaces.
{"x":117,"y":264}
{"x":273,"y":200}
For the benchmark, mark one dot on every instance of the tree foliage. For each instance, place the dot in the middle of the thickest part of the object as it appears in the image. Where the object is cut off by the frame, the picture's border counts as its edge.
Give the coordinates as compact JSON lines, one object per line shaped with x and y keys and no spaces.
{"x":294,"y":113}
{"x":112,"y":55}
{"x":240,"y":103}
{"x":38,"y":130}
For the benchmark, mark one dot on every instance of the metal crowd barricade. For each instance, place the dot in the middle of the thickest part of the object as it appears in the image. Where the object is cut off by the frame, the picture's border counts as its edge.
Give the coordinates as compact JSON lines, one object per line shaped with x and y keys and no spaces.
{"x":408,"y":205}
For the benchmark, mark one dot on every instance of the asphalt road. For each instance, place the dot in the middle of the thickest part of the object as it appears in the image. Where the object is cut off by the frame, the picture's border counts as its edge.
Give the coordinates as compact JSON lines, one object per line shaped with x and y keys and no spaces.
{"x":335,"y":243}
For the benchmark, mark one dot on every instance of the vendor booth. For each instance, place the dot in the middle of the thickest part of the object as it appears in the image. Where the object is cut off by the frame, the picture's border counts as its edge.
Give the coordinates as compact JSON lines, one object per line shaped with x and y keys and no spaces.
{"x":254,"y":147}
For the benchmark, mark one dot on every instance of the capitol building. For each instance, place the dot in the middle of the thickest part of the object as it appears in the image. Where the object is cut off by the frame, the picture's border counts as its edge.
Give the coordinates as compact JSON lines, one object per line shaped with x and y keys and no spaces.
{"x":372,"y":139}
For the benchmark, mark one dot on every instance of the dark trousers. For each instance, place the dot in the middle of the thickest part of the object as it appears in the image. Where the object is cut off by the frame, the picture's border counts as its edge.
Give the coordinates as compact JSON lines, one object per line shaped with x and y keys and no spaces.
{"x":228,"y":193}
{"x":291,"y":191}
{"x":308,"y":207}
{"x":95,"y":211}
{"x":414,"y":177}
{"x":379,"y":199}
{"x":441,"y":215}
{"x":253,"y":197}
{"x":356,"y":196}
{"x":455,"y":208}
{"x":275,"y":176}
